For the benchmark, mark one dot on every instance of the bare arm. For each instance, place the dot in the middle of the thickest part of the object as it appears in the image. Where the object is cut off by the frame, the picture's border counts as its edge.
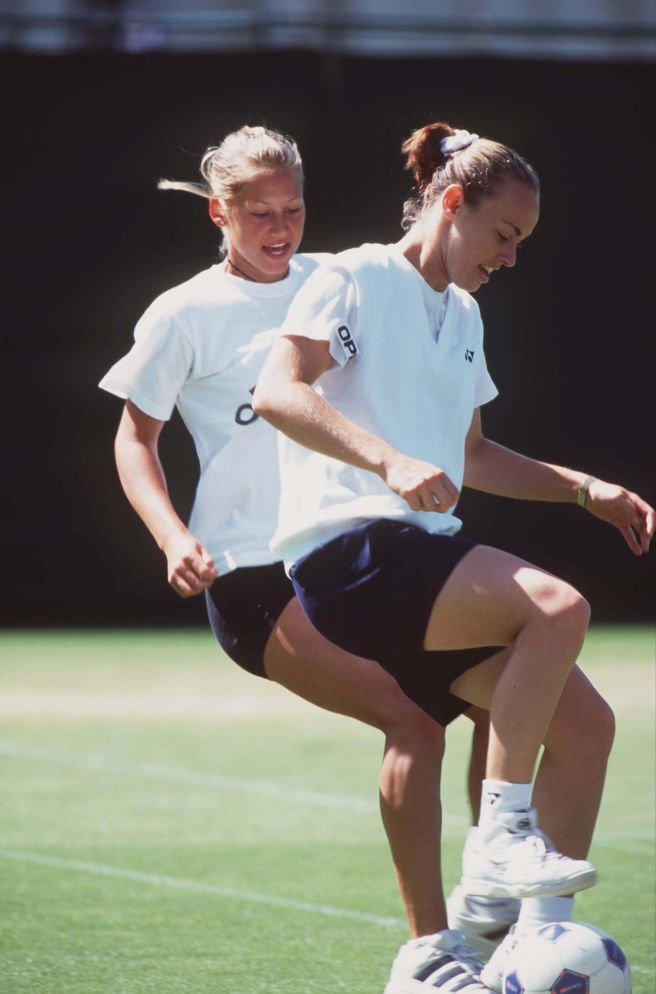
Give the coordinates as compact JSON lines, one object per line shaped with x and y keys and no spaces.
{"x":497,"y":470}
{"x":284,"y":396}
{"x":190,"y":567}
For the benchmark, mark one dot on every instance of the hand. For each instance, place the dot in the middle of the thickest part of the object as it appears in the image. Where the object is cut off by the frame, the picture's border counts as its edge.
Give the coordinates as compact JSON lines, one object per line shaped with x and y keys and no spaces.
{"x":190,"y":566}
{"x":423,"y":486}
{"x":630,"y":514}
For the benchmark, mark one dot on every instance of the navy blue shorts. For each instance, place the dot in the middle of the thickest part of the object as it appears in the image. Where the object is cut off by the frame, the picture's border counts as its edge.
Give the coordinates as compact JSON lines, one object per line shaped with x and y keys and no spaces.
{"x":371,"y":590}
{"x":243,"y":607}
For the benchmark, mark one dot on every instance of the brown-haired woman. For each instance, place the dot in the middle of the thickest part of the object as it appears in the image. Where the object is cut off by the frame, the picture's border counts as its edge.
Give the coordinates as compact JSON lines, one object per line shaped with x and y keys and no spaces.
{"x":372,"y":466}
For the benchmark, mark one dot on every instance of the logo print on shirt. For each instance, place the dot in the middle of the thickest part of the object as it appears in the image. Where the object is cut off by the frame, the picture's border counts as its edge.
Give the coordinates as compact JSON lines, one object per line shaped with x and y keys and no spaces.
{"x":245,"y":415}
{"x":347,"y":343}
{"x":469,"y":355}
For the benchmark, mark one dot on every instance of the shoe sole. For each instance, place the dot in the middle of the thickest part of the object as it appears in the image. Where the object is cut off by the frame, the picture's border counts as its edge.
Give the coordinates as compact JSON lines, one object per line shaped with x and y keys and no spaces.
{"x":495,"y":888}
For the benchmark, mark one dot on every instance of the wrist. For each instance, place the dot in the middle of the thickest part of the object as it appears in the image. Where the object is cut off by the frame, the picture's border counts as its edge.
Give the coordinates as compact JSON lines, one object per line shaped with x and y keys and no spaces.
{"x":583,"y":490}
{"x":176,"y":532}
{"x":383,"y":460}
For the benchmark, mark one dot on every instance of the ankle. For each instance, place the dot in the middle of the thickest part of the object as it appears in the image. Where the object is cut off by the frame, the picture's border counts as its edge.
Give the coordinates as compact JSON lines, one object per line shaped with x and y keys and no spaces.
{"x":499,"y":797}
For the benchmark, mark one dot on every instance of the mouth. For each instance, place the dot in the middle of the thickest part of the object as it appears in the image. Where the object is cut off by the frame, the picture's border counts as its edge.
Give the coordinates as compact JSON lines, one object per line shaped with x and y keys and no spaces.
{"x":486,"y":272}
{"x":278,"y":251}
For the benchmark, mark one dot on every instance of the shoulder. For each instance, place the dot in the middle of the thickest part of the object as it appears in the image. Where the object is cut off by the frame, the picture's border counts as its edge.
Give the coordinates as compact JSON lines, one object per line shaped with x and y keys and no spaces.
{"x":206,"y":286}
{"x":203,"y":297}
{"x":371,"y":255}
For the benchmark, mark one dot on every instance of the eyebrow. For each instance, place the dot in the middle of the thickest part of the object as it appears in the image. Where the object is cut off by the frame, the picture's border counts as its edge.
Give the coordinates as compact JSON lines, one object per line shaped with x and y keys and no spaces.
{"x":514,"y":227}
{"x":298,"y":196}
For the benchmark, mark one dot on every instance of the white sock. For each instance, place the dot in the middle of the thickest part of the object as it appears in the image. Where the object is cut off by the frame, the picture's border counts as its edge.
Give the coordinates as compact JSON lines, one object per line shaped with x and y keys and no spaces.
{"x":498,"y":796}
{"x":536,"y":911}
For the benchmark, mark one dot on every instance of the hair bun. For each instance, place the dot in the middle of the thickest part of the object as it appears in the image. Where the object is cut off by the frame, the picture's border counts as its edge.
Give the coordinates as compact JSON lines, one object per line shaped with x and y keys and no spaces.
{"x":424,"y":153}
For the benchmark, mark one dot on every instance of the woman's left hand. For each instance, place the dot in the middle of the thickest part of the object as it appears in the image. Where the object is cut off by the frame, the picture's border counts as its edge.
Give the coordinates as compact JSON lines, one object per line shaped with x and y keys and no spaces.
{"x":630,"y":514}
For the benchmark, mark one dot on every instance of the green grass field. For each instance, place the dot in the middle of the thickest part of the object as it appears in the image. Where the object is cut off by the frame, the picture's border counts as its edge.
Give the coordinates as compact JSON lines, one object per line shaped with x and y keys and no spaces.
{"x":171,"y":825}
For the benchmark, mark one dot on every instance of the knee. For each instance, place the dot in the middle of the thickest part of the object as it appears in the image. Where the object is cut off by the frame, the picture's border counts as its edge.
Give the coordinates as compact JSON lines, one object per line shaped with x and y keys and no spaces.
{"x":566,"y":611}
{"x":583,"y":728}
{"x":412,"y":731}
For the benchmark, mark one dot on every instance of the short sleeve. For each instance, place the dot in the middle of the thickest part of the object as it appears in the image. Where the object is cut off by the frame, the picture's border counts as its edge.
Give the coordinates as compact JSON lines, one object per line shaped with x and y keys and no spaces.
{"x":157,"y":366}
{"x":485,"y":387}
{"x":324,"y":310}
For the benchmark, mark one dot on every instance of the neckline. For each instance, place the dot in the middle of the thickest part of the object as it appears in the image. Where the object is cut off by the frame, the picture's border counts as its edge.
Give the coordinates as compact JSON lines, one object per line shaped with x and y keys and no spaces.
{"x":251,"y":288}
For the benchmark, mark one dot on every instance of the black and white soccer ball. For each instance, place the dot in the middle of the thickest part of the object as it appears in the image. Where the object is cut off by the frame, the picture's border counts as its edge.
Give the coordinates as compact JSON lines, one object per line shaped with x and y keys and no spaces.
{"x":567,"y":958}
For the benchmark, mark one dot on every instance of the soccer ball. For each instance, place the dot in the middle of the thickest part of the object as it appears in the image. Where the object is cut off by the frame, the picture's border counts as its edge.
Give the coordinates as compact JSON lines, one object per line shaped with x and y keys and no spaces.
{"x":567,"y":958}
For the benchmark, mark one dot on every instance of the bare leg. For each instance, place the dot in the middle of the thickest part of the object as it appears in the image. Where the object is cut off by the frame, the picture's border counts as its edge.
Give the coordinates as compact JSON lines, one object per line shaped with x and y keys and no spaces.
{"x":477,"y":758}
{"x":573,"y":766}
{"x":494,"y":598}
{"x":300,"y":659}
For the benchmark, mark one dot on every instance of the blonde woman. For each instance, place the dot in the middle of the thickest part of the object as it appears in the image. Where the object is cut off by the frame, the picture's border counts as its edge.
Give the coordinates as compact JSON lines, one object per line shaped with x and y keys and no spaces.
{"x":200,"y":346}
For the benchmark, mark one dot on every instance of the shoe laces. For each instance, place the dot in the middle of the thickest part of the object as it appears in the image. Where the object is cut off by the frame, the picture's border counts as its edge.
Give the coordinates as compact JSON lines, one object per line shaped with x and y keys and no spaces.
{"x":542,"y":847}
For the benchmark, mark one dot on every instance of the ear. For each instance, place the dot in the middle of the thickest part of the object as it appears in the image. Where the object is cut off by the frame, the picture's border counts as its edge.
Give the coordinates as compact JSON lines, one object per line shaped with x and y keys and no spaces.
{"x":452,"y":199}
{"x":217,"y":216}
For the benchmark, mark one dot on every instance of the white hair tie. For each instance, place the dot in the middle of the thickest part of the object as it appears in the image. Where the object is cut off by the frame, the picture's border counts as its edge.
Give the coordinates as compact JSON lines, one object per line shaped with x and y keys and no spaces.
{"x":453,"y":143}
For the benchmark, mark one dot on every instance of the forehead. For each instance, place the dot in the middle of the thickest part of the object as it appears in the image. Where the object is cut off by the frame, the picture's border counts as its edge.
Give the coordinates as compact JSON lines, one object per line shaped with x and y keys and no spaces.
{"x":272,"y":185}
{"x":515,"y":205}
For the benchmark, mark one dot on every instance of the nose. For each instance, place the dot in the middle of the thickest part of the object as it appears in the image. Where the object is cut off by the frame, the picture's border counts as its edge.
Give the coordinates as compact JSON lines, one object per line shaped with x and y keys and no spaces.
{"x":509,"y":256}
{"x":279,"y":224}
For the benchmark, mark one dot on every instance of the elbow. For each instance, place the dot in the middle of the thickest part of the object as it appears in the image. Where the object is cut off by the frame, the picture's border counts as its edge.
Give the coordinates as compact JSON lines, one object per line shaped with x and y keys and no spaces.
{"x":265,"y":403}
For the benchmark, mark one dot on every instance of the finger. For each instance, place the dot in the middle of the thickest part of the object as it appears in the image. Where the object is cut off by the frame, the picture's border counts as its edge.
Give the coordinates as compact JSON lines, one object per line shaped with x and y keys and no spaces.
{"x":181,"y":587}
{"x":414,"y":501}
{"x":209,"y":562}
{"x":433,"y":497}
{"x":209,"y":575}
{"x":429,"y":501}
{"x":443,"y":496}
{"x":195,"y":571}
{"x":650,"y":523}
{"x":451,"y":490}
{"x":630,"y":539}
{"x":642,"y":522}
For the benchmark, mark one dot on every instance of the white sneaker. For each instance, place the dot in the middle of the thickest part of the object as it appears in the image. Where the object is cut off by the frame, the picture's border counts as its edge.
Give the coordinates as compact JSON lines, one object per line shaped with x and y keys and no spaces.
{"x":434,"y":963}
{"x":483,"y":922}
{"x":494,"y":969}
{"x":521,"y":862}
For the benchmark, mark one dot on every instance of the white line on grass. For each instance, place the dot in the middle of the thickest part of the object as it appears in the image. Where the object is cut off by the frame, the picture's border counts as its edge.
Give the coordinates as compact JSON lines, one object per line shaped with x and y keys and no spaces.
{"x":196,"y":886}
{"x":158,"y":771}
{"x":628,"y":838}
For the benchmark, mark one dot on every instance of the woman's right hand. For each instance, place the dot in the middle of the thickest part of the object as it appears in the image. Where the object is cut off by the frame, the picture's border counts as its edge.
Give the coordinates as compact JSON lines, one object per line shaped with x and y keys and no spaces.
{"x":190,"y":566}
{"x":423,"y":486}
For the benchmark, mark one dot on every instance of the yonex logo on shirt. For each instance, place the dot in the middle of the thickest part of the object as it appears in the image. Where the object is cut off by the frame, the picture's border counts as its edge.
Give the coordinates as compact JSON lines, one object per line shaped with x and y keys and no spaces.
{"x":349,"y":346}
{"x":469,"y":355}
{"x":245,"y":415}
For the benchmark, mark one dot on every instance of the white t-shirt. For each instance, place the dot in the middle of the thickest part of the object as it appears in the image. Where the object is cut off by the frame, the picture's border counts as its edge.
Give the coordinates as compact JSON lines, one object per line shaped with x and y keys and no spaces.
{"x":393,"y":379}
{"x":200,"y":346}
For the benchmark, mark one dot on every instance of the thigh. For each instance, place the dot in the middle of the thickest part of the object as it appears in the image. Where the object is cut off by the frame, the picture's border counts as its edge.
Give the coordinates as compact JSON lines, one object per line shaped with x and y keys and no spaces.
{"x":397,"y":689}
{"x":489,"y":597}
{"x":303,"y":661}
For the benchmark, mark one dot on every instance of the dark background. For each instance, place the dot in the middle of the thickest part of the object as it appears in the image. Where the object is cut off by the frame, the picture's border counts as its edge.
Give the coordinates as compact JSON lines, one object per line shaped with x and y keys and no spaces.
{"x":90,"y":242}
